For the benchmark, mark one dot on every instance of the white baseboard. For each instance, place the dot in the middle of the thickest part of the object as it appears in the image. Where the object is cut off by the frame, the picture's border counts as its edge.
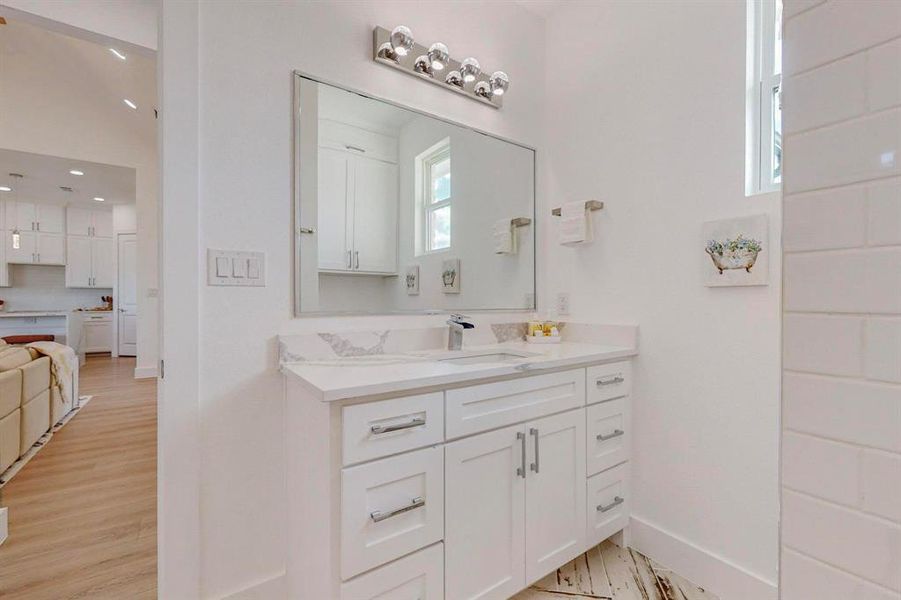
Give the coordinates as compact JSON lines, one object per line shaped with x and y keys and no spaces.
{"x":145,"y":372}
{"x":4,"y":524}
{"x":702,"y":567}
{"x":268,"y":589}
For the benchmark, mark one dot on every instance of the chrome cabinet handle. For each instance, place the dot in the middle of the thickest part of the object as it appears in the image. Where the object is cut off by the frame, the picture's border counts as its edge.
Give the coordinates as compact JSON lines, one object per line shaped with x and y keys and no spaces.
{"x":610,"y":381}
{"x":415,"y":422}
{"x":350,"y":264}
{"x":357,"y":259}
{"x":357,"y":148}
{"x":616,"y":433}
{"x":39,"y":225}
{"x":521,"y":470}
{"x":307,"y":230}
{"x":379,"y":515}
{"x":534,"y":465}
{"x":616,"y":502}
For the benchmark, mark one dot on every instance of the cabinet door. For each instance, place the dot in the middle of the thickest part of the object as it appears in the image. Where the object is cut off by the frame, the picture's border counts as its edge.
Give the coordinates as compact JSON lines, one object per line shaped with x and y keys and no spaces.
{"x":50,"y":218}
{"x":20,"y":247}
{"x":51,"y":248}
{"x":98,"y":336}
{"x":375,"y":216}
{"x":555,"y":492}
{"x":78,"y":265}
{"x":333,"y":195}
{"x":21,"y":216}
{"x":103,"y":223}
{"x":102,"y":262}
{"x":78,"y":221}
{"x":484,"y":545}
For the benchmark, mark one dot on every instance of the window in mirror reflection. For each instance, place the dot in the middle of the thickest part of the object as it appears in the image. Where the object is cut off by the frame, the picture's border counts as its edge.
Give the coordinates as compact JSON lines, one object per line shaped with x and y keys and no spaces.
{"x":435,"y":166}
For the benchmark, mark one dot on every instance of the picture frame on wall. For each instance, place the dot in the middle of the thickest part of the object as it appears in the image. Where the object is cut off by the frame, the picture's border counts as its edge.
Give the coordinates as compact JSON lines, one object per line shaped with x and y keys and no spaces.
{"x":411,"y":280}
{"x":736,"y":252}
{"x":450,"y":276}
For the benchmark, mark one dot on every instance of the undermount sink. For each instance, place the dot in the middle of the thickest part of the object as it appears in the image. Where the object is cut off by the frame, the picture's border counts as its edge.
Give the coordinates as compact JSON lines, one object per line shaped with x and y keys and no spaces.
{"x":488,"y":357}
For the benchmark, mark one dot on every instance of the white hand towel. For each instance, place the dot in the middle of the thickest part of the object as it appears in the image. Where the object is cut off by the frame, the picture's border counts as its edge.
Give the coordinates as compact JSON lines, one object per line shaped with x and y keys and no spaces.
{"x":504,"y":239}
{"x":575,"y":226}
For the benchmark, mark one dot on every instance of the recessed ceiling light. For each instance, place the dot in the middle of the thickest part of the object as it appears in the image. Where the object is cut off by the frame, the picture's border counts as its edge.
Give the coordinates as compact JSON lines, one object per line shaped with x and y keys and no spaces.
{"x":130,"y":104}
{"x":117,"y":54}
{"x":99,"y":199}
{"x":76,"y":172}
{"x":5,"y":188}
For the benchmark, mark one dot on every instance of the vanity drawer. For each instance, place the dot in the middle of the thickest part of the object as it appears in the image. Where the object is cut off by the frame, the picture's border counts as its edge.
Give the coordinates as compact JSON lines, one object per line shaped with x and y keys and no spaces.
{"x":390,"y":508}
{"x":419,"y":576}
{"x":609,"y":381}
{"x":609,"y":434}
{"x":391,"y":426}
{"x":492,"y":405}
{"x":608,"y":503}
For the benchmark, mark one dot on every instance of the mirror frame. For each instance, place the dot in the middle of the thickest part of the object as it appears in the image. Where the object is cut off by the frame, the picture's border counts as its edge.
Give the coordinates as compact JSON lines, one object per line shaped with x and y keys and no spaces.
{"x":297,"y":77}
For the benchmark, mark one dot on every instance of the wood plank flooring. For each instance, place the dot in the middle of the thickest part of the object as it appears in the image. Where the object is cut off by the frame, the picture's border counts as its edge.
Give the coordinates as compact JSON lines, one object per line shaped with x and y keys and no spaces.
{"x":82,"y":513}
{"x":609,"y":572}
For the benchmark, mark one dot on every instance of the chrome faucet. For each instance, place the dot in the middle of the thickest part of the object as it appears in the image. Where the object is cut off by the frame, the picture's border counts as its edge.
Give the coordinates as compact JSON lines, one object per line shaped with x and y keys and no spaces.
{"x":456,"y":325}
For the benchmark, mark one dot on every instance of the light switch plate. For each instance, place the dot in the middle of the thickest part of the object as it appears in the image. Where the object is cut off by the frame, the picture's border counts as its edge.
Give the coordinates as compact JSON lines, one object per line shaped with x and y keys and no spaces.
{"x":244,"y":268}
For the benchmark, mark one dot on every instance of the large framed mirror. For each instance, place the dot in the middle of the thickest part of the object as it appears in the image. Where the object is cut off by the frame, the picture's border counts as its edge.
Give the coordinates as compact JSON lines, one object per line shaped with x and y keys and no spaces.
{"x":398,"y":211}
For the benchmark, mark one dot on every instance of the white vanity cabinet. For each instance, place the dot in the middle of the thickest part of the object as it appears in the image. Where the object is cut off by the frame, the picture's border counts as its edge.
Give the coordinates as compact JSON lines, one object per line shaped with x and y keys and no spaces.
{"x":357,"y":200}
{"x":472,"y":490}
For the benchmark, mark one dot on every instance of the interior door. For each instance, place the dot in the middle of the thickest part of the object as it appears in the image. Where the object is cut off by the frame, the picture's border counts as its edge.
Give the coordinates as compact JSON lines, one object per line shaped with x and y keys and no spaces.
{"x":127,"y":293}
{"x":484,"y":515}
{"x":78,"y":263}
{"x":333,"y":185}
{"x":555,"y":492}
{"x":103,"y":223}
{"x":102,"y":262}
{"x":51,"y":248}
{"x":50,"y":218}
{"x":20,"y":247}
{"x":78,"y":221}
{"x":375,"y":215}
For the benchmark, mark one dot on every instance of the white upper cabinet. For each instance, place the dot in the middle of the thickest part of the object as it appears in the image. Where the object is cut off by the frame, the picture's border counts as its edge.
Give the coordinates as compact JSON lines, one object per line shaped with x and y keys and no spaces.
{"x":50,"y":218}
{"x":90,"y":223}
{"x":90,"y":262}
{"x":34,"y":248}
{"x":357,"y":200}
{"x":21,"y":216}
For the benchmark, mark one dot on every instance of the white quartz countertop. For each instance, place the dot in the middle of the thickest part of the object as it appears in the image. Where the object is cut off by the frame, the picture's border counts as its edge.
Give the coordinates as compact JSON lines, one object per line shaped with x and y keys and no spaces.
{"x":343,"y":378}
{"x":34,"y":313}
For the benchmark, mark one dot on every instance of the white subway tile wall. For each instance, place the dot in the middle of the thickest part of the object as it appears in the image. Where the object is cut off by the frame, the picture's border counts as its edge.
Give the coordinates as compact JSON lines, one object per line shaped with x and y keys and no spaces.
{"x":841,"y":445}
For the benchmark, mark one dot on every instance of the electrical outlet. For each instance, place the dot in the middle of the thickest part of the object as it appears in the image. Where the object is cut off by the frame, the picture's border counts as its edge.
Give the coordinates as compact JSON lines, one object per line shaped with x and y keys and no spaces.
{"x":563,"y":303}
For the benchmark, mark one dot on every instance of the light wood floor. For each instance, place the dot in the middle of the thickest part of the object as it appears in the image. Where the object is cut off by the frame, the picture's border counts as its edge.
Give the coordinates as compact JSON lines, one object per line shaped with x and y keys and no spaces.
{"x":82,"y":513}
{"x":610,"y":572}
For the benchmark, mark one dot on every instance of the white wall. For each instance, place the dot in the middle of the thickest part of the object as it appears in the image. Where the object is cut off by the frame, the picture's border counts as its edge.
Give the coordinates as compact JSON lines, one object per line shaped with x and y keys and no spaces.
{"x":34,"y":287}
{"x":841,"y":461}
{"x":649,"y":118}
{"x":245,"y":202}
{"x":56,"y":99}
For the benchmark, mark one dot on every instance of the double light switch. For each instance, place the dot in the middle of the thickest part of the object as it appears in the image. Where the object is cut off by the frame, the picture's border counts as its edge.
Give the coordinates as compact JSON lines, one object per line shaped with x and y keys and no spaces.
{"x":228,"y":267}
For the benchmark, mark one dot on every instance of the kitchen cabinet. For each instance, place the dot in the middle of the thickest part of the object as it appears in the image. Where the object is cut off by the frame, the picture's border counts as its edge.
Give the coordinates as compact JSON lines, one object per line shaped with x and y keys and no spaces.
{"x":89,"y":222}
{"x":35,"y":248}
{"x":357,"y":200}
{"x":90,"y":262}
{"x":97,"y":333}
{"x":30,"y":216}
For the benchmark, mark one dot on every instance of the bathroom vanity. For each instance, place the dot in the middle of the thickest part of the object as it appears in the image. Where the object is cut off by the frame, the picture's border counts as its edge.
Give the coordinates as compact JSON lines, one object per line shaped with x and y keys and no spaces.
{"x":468,"y":474}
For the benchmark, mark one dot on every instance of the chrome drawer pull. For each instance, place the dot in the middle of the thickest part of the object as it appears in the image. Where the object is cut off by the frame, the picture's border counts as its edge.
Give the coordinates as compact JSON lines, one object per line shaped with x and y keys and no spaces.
{"x":616,"y":502}
{"x":534,"y":465}
{"x":611,"y":381}
{"x":416,"y":422}
{"x":381,"y":516}
{"x":616,"y":433}
{"x":521,"y":470}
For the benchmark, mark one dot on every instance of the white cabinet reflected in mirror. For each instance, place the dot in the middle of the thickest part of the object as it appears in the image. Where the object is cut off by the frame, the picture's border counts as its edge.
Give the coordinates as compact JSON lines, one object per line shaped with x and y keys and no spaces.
{"x":384,"y":194}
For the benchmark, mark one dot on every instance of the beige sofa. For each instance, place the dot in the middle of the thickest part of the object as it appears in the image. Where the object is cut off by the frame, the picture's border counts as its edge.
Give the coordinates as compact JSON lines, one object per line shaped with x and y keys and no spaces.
{"x":29,"y":405}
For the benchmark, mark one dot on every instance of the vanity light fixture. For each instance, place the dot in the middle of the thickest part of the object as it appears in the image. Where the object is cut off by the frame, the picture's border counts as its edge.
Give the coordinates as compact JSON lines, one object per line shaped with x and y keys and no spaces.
{"x":130,"y":104}
{"x":117,"y":54}
{"x":397,"y":49}
{"x":76,"y":172}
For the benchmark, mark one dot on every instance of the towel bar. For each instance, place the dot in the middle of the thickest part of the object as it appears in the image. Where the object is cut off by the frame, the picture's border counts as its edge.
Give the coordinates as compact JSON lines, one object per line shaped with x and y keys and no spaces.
{"x":589,"y":205}
{"x":520,"y":221}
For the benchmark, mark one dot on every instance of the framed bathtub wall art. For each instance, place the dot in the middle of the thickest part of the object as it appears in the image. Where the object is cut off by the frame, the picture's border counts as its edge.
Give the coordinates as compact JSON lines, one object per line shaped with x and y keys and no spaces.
{"x":411,"y":280}
{"x":736,"y":252}
{"x":450,"y":276}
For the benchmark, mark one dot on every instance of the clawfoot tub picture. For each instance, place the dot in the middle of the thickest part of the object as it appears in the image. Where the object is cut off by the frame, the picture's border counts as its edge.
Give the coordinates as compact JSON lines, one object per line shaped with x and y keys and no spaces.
{"x":736,"y":252}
